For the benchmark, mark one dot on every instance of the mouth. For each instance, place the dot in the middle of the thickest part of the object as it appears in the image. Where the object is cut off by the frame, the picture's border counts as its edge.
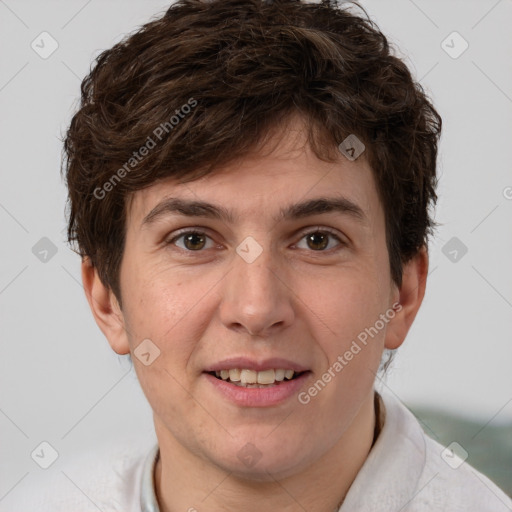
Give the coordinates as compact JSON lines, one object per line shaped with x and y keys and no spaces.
{"x":246,"y":378}
{"x":249,"y":382}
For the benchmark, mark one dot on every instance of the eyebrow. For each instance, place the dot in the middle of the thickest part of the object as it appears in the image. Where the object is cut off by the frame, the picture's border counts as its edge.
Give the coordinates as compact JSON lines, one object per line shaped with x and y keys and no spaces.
{"x":319,"y":205}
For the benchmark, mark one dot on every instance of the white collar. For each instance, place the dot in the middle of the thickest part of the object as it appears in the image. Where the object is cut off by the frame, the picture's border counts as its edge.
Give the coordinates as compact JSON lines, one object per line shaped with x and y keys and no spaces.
{"x":148,"y":501}
{"x":390,"y":475}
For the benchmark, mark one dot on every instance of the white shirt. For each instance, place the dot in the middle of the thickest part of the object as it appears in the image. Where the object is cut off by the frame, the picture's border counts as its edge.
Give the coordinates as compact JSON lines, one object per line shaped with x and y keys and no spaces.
{"x":404,"y":472}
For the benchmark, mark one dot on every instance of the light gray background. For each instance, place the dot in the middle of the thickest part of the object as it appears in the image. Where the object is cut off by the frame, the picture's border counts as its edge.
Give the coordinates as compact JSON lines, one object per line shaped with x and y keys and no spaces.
{"x":60,"y":381}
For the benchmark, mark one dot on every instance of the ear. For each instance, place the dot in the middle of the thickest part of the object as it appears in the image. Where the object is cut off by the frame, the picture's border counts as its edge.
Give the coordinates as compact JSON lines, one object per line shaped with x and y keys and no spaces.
{"x":105,"y":308}
{"x":409,"y":296}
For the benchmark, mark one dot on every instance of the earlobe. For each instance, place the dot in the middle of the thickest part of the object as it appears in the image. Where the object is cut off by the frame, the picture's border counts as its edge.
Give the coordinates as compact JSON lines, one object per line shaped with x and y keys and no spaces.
{"x":411,"y":293}
{"x":105,"y":308}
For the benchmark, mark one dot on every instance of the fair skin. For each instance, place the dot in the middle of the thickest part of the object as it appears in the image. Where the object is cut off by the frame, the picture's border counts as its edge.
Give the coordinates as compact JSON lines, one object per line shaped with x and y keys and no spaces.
{"x":303,"y":299}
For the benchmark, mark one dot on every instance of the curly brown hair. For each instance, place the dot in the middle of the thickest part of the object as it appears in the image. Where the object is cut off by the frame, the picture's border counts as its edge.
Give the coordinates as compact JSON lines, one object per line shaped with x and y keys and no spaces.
{"x":208,"y":80}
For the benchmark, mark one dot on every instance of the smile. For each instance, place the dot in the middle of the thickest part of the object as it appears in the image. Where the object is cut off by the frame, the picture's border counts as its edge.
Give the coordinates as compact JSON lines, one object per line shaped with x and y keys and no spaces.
{"x":248,"y":392}
{"x":255,"y":379}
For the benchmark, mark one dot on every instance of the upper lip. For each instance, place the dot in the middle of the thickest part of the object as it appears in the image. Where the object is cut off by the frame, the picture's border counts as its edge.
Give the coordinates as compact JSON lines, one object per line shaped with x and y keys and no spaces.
{"x":245,"y":363}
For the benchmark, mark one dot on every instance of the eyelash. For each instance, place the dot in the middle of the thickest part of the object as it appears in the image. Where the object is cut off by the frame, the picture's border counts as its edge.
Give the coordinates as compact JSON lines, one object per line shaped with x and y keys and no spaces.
{"x":192,"y":231}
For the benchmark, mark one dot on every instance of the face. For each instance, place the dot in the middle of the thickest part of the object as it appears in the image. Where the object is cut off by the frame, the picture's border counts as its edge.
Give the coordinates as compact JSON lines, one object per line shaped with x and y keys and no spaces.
{"x":274,"y":283}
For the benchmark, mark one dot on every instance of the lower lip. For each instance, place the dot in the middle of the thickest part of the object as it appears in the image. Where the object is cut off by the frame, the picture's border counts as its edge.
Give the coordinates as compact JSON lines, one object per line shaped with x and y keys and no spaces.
{"x":259,"y":397}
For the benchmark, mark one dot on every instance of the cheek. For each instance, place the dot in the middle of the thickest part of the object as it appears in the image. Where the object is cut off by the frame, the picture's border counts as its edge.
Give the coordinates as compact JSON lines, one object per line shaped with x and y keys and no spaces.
{"x":345,"y":302}
{"x":170,"y":308}
{"x":161,"y":300}
{"x":163,"y":307}
{"x":347,"y":308}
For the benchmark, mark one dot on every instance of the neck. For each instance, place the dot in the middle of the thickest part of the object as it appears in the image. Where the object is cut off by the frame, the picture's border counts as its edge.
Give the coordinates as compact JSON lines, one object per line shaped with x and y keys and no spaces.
{"x":184,"y":481}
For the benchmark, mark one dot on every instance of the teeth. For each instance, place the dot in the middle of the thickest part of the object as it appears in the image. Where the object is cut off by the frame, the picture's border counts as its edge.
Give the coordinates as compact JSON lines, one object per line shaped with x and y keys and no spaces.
{"x":280,"y":375}
{"x":253,"y":379}
{"x":248,"y":377}
{"x":234,"y":375}
{"x":266,"y":377}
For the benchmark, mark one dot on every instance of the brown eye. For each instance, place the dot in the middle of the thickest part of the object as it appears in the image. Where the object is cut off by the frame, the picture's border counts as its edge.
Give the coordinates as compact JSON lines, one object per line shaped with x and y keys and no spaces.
{"x":193,"y":241}
{"x":317,"y":240}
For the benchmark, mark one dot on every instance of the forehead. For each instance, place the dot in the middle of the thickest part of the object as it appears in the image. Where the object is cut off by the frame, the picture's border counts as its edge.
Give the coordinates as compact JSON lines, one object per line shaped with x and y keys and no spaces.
{"x":267,"y":183}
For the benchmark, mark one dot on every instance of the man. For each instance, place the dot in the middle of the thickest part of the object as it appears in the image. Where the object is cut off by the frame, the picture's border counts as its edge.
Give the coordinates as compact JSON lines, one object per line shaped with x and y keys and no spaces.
{"x":249,"y":189}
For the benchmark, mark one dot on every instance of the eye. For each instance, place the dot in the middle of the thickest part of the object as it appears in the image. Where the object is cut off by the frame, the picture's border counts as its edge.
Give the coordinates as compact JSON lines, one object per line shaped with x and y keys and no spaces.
{"x":318,"y":239}
{"x":192,"y":240}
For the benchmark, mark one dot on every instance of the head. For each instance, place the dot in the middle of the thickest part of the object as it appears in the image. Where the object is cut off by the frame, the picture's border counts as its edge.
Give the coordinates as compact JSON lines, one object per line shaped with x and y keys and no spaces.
{"x":243,"y":104}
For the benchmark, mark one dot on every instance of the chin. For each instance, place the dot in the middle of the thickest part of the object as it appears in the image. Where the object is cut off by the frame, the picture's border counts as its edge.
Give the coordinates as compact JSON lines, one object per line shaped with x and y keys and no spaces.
{"x":265,"y":472}
{"x":264,"y":460}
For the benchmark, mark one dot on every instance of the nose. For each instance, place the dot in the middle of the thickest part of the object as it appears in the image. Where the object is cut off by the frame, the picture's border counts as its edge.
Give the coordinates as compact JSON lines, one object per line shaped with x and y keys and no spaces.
{"x":256,"y":297}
